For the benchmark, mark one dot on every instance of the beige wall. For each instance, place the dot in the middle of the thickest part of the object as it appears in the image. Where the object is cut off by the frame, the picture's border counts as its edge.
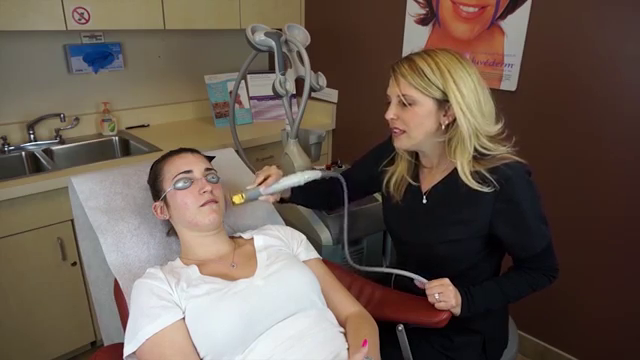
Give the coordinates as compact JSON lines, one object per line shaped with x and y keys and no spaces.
{"x":160,"y":67}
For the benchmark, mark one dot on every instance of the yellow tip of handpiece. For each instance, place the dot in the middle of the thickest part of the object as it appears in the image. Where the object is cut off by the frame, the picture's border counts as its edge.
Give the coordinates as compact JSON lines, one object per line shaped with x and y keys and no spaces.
{"x":238,"y":199}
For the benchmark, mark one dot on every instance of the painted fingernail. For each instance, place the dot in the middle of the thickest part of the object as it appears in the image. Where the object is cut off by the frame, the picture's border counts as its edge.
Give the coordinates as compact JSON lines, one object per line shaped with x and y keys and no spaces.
{"x":365,"y":343}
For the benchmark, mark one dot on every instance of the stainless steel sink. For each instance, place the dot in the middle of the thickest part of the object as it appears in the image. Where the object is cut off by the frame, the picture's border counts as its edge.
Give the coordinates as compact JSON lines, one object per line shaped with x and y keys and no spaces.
{"x":95,"y":148}
{"x":23,"y":163}
{"x":74,"y":152}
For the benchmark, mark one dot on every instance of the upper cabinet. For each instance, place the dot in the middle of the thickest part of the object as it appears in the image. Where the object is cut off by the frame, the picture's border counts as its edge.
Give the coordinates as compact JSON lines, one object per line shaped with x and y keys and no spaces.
{"x":31,"y":15}
{"x":202,"y":14}
{"x":272,"y":13}
{"x":113,"y":14}
{"x":147,"y":14}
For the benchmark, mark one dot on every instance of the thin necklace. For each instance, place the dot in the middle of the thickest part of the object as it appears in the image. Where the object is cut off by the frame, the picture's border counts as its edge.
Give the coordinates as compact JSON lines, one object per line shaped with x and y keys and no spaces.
{"x":233,"y":255}
{"x":233,"y":264}
{"x":424,"y":196}
{"x":425,"y":193}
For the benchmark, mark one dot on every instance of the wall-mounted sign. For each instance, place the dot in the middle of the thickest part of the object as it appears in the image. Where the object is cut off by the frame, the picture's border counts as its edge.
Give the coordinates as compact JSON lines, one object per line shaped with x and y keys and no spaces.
{"x":491,"y":33}
{"x":81,"y":15}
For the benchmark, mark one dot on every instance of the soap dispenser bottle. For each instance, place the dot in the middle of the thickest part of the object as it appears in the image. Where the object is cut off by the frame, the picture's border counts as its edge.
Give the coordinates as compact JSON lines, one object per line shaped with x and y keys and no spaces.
{"x":108,"y":124}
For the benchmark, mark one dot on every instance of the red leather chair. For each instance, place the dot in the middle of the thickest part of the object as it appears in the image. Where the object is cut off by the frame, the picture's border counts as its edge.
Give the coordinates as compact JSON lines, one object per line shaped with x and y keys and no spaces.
{"x":383,"y":304}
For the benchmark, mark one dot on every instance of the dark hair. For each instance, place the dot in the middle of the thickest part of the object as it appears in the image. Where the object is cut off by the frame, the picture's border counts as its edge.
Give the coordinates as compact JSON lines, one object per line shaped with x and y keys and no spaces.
{"x":430,"y":14}
{"x":155,"y":172}
{"x":155,"y":178}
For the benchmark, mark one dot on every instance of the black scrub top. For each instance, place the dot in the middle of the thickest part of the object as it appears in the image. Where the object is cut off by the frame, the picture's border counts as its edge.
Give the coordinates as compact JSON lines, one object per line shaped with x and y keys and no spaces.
{"x":462,"y":234}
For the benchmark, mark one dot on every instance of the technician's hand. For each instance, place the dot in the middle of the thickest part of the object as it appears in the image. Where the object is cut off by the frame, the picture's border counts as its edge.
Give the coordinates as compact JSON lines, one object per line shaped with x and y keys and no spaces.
{"x":443,"y":295}
{"x":265,"y":177}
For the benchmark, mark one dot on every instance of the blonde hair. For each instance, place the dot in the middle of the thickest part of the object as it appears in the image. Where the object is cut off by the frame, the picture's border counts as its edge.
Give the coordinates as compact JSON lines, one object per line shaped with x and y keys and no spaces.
{"x":474,"y":141}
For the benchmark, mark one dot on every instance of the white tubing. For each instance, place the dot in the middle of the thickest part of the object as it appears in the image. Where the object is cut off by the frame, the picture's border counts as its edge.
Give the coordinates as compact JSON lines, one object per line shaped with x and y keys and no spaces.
{"x":346,"y":242}
{"x":232,"y":108}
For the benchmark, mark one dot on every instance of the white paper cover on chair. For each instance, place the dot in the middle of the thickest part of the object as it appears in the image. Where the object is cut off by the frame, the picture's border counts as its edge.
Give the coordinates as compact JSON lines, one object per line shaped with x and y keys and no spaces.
{"x":114,"y":207}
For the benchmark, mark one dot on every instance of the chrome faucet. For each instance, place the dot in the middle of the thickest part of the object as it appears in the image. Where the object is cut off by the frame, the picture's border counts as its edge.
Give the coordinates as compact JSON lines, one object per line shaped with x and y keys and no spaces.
{"x":31,"y":132}
{"x":74,"y":123}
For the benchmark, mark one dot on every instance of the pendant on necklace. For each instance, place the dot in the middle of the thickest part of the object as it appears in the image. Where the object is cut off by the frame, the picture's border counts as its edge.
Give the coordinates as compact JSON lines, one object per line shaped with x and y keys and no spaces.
{"x":424,"y":198}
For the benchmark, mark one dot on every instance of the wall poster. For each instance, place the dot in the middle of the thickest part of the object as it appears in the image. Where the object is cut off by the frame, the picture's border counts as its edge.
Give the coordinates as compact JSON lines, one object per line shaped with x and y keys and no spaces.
{"x":491,"y":33}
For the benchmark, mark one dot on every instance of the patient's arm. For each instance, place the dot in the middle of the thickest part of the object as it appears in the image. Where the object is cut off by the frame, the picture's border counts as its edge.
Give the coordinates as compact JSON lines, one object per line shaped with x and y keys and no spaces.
{"x":172,"y":342}
{"x":357,"y":322}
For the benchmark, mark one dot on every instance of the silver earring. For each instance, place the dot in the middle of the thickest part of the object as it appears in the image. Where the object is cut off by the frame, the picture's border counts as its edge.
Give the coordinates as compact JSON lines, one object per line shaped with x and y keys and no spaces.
{"x":443,"y":125}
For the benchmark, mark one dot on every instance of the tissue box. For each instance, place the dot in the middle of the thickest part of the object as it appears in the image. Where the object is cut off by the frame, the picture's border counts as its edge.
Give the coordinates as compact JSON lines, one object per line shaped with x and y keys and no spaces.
{"x":87,"y":58}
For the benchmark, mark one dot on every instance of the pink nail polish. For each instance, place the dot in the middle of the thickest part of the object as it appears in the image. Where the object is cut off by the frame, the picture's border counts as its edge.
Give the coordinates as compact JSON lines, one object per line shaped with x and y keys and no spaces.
{"x":365,"y":343}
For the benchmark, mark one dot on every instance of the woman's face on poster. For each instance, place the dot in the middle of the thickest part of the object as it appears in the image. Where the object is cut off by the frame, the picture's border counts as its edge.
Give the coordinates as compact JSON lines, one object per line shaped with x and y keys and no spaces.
{"x":466,"y":19}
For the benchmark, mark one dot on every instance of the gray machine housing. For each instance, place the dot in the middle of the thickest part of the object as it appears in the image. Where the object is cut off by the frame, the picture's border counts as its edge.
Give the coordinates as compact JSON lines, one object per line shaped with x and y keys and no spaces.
{"x":368,"y":241}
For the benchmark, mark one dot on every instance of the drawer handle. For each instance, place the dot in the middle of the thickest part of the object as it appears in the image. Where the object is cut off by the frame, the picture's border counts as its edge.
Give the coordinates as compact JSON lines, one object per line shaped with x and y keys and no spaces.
{"x":265,"y":158}
{"x":63,"y":253}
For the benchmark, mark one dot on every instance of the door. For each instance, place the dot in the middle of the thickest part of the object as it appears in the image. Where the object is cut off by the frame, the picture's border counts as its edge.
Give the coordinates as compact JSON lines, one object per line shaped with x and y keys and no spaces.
{"x":273,"y":13}
{"x":43,"y":302}
{"x":113,"y":14}
{"x":202,"y":14}
{"x":31,"y":15}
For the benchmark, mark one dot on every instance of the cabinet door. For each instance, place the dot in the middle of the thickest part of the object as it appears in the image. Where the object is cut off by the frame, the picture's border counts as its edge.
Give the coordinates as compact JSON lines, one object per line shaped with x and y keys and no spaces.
{"x":43,"y":302}
{"x":324,"y":160}
{"x":273,"y":13}
{"x":113,"y":14}
{"x":31,"y":15}
{"x":268,"y":154}
{"x":202,"y":14}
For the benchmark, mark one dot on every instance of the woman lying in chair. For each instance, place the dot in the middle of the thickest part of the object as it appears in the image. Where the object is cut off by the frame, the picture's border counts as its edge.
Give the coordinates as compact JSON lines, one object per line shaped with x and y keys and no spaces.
{"x":262,"y":294}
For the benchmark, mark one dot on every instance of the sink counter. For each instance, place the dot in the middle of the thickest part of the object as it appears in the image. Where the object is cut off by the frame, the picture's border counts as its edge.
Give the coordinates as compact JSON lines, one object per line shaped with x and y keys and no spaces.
{"x":199,"y":133}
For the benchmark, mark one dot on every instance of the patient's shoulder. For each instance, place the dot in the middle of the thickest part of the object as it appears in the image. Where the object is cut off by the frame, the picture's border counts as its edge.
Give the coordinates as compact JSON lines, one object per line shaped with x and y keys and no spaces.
{"x":156,"y":286}
{"x":280,"y":233}
{"x":276,"y":228}
{"x":285,"y":237}
{"x":152,"y":277}
{"x":160,"y":277}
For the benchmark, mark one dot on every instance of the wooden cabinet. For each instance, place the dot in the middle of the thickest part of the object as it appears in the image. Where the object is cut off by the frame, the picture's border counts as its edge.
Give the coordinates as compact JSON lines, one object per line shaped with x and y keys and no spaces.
{"x":272,"y":13}
{"x":268,"y":154}
{"x":34,"y":211}
{"x":271,"y":154}
{"x":147,"y":14}
{"x":31,"y":15}
{"x":44,"y":306}
{"x":324,"y":160}
{"x":202,"y":14}
{"x":113,"y":14}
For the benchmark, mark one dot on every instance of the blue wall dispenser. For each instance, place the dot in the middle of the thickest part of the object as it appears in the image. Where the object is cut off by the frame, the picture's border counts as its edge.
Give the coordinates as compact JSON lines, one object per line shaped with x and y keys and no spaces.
{"x":87,"y":58}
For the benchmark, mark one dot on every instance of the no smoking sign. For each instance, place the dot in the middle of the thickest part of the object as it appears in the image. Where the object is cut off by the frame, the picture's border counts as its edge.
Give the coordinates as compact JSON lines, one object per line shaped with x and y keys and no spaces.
{"x":81,"y":15}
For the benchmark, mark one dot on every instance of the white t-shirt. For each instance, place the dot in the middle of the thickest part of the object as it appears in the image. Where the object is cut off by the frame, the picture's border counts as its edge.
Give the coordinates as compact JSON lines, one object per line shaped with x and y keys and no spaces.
{"x":279,"y":313}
